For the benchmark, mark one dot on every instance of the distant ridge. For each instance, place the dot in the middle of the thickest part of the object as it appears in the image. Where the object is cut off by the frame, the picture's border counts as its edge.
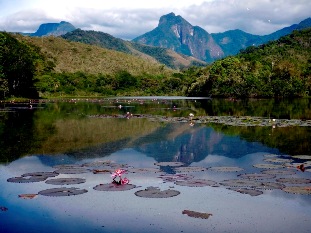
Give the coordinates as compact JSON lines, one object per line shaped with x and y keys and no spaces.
{"x":176,"y":33}
{"x":52,"y":29}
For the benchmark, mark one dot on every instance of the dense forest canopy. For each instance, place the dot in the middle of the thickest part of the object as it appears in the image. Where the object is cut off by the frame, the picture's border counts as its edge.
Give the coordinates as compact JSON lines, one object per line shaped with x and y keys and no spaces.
{"x":53,"y":66}
{"x":280,"y":68}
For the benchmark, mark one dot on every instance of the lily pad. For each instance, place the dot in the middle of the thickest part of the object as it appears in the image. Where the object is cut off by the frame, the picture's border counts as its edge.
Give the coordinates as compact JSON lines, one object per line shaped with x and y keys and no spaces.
{"x":189,"y":169}
{"x":103,"y":171}
{"x":196,"y":183}
{"x":271,"y":155}
{"x":154,"y":192}
{"x":195,"y":214}
{"x":61,"y":166}
{"x":27,"y":196}
{"x":269,"y":186}
{"x":240,"y":183}
{"x":65,"y":181}
{"x":294,"y":180}
{"x":175,"y":177}
{"x":305,"y":190}
{"x":72,"y":170}
{"x":144,"y":170}
{"x":252,"y":192}
{"x":226,"y":169}
{"x":114,"y":187}
{"x":278,"y":160}
{"x":97,"y":164}
{"x":279,"y":172}
{"x":268,"y":166}
{"x":28,"y":179}
{"x":38,"y":174}
{"x":256,"y":176}
{"x":306,"y":157}
{"x":170,"y":164}
{"x":57,"y":192}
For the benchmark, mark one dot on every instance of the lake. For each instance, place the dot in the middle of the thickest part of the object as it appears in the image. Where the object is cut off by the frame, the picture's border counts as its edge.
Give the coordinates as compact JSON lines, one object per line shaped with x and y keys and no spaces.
{"x":193,"y":165}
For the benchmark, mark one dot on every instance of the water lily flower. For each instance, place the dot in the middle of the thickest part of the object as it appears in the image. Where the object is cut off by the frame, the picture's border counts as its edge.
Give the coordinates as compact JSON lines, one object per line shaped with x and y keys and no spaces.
{"x":125,"y":180}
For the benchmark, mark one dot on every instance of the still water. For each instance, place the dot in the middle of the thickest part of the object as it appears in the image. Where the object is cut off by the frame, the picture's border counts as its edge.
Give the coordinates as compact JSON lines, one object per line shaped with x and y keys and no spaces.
{"x":235,"y":179}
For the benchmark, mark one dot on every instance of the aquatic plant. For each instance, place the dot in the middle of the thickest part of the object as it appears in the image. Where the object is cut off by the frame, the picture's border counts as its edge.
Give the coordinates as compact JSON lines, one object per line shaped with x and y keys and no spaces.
{"x":118,"y":174}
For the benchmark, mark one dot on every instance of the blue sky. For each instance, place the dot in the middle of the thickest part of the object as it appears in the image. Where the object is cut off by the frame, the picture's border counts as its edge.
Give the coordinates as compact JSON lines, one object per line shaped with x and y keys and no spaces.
{"x":128,"y":19}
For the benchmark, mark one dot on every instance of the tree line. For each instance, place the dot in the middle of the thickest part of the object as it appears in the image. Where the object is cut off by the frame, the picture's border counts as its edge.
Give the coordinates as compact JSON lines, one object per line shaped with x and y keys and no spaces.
{"x":279,"y":68}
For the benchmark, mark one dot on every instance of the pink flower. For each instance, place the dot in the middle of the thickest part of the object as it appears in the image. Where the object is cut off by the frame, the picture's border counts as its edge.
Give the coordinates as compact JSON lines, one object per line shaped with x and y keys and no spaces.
{"x":118,"y":173}
{"x":125,"y":180}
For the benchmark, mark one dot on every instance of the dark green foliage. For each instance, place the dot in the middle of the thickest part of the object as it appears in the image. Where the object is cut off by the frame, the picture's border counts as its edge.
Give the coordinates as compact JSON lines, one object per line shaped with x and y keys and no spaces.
{"x":18,"y":64}
{"x":278,"y":69}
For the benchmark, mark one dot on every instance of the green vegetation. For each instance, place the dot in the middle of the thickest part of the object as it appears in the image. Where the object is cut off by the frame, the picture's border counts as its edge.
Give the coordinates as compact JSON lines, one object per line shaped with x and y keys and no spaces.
{"x":280,"y":68}
{"x":19,"y":63}
{"x":53,"y":67}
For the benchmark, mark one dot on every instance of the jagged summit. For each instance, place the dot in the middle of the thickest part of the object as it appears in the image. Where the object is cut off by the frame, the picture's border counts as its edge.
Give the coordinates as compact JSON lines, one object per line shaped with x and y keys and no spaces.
{"x":175,"y":33}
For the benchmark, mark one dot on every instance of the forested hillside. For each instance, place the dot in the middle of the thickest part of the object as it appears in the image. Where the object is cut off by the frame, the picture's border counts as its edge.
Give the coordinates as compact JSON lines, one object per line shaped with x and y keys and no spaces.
{"x":52,"y":66}
{"x":150,"y":53}
{"x":58,"y":67}
{"x":280,"y":68}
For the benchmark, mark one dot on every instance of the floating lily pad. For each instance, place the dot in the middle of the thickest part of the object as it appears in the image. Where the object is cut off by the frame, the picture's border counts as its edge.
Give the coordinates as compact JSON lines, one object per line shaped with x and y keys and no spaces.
{"x":195,"y":214}
{"x":61,"y":166}
{"x":28,"y":179}
{"x":240,"y":183}
{"x":27,"y":196}
{"x":294,"y":180}
{"x":269,"y":186}
{"x":65,"y":181}
{"x":256,"y":176}
{"x":271,"y":155}
{"x":170,"y":164}
{"x":279,"y":172}
{"x":196,"y":183}
{"x":154,"y":192}
{"x":72,"y":170}
{"x":103,"y":171}
{"x":305,"y":190}
{"x":45,"y":174}
{"x":307,"y":157}
{"x":144,"y":170}
{"x":226,"y":169}
{"x":268,"y":166}
{"x":97,"y":164}
{"x":114,"y":187}
{"x":57,"y":192}
{"x":175,"y":177}
{"x":189,"y":169}
{"x":278,"y":160}
{"x":252,"y":192}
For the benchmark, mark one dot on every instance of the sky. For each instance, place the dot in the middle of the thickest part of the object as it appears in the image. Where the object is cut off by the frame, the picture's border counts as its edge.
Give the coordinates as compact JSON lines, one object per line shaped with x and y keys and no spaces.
{"x":127,"y":19}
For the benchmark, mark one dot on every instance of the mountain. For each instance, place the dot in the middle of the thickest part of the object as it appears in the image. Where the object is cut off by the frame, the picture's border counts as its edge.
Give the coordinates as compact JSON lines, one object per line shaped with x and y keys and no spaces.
{"x":53,"y":29}
{"x":146,"y":52}
{"x":176,"y":33}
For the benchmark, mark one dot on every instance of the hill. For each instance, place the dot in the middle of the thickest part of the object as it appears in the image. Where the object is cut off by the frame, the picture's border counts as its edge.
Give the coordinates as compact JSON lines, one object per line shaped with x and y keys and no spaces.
{"x":74,"y":56}
{"x":150,"y":53}
{"x":280,"y":68}
{"x":59,"y":67}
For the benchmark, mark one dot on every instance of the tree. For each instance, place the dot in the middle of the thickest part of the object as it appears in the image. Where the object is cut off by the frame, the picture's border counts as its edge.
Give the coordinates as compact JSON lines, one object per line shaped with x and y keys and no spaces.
{"x":17,"y":68}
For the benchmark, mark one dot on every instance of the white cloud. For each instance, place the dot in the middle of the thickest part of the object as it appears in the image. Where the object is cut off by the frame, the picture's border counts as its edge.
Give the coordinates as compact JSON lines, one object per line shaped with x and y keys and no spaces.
{"x":128,"y":19}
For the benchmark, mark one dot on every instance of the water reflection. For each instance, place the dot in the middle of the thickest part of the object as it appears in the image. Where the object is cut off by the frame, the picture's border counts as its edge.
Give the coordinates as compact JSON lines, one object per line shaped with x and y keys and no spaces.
{"x":64,"y":127}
